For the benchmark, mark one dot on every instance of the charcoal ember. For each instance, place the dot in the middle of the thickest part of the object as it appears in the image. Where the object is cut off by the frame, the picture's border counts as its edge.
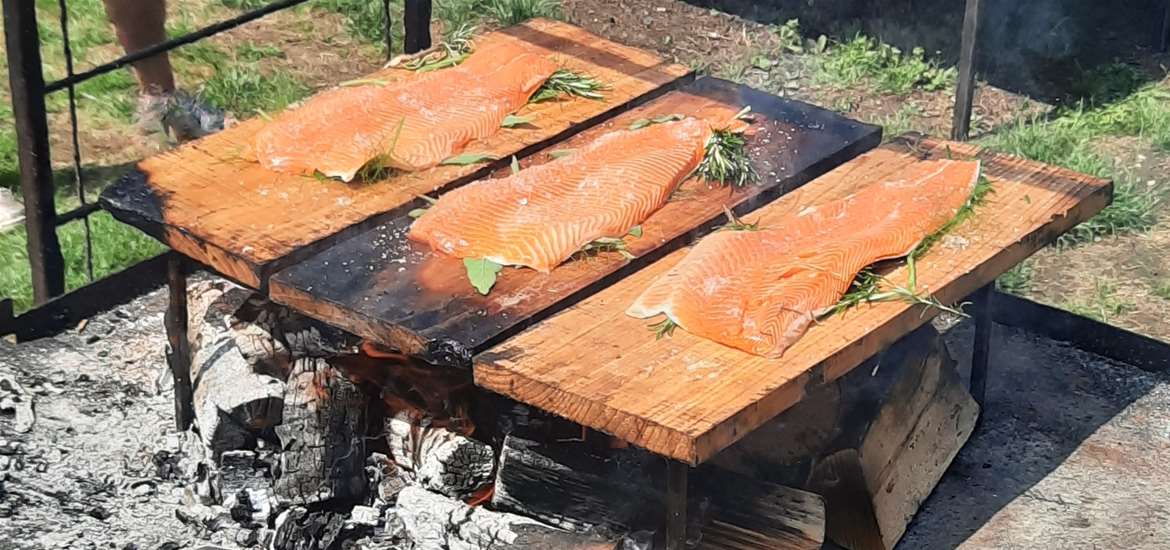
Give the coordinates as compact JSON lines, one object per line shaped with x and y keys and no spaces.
{"x":435,"y":522}
{"x":251,"y":507}
{"x":386,"y":479}
{"x":300,"y":529}
{"x":240,"y":470}
{"x":16,"y":403}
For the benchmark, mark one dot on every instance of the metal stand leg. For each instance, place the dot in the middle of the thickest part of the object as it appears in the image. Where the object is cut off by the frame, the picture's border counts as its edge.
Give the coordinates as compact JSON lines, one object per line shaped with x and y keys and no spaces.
{"x":965,"y":95}
{"x":417,"y":19}
{"x":1162,"y":41}
{"x":179,"y":354}
{"x":981,"y":351}
{"x":676,"y":504}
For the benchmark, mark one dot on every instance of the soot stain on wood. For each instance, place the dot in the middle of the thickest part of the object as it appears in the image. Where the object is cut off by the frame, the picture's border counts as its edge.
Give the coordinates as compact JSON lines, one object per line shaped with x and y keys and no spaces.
{"x":403,"y":286}
{"x":132,"y":200}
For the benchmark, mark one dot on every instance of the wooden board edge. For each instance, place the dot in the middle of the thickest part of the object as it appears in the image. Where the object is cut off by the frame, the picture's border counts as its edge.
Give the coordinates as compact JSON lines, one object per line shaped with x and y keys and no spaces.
{"x":725,"y":433}
{"x":117,"y":198}
{"x":675,"y":444}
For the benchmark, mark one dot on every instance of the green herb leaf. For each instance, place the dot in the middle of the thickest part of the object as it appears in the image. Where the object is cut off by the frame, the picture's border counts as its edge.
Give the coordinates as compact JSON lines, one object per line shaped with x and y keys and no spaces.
{"x":560,"y":154}
{"x":565,"y":82}
{"x":725,"y":160}
{"x":663,"y":328}
{"x":515,"y":165}
{"x":635,"y":231}
{"x":363,"y":82}
{"x":644,"y":122}
{"x":417,"y":213}
{"x":468,"y":158}
{"x":482,"y":273}
{"x":512,"y":121}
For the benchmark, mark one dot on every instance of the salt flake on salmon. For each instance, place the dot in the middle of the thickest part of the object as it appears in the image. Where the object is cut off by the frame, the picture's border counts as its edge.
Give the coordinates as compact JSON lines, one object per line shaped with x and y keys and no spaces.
{"x":540,"y":216}
{"x":410,"y":125}
{"x":759,"y":290}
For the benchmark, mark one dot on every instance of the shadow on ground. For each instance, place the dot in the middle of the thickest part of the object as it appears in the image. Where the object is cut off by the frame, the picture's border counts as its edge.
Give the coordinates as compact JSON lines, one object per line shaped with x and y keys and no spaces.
{"x":1073,"y":452}
{"x":1051,"y":50}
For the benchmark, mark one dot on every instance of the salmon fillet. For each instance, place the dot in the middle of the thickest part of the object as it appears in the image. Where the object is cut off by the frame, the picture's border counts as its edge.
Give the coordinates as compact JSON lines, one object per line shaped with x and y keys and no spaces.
{"x":542,"y":215}
{"x":408,"y":125}
{"x":758,"y":291}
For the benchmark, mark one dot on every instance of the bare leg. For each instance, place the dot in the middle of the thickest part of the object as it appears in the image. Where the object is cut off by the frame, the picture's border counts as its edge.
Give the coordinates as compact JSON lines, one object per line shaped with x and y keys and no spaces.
{"x":140,"y":24}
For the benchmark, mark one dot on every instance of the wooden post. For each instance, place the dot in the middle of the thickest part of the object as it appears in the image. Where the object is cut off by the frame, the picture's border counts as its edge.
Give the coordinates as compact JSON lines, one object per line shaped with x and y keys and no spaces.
{"x":32,"y":144}
{"x":981,"y":349}
{"x":1162,"y":40}
{"x":965,"y":94}
{"x":179,"y":354}
{"x":417,"y":20}
{"x":676,"y":505}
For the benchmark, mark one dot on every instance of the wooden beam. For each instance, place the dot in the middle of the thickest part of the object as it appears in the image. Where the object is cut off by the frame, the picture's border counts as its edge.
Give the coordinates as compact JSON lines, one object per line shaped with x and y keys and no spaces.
{"x":968,"y":50}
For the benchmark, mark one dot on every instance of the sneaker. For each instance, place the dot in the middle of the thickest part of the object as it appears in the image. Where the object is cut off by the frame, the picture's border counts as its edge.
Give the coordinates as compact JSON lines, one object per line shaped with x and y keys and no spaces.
{"x":179,"y":115}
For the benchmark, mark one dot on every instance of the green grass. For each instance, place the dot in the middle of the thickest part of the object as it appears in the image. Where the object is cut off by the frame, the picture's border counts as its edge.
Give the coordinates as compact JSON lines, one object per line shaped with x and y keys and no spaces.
{"x":510,"y":12}
{"x":246,"y":91}
{"x":1162,"y":290}
{"x":1018,"y":281}
{"x":867,"y":62}
{"x":115,"y":246}
{"x":1104,"y":304}
{"x":1070,"y":138}
{"x":9,"y":172}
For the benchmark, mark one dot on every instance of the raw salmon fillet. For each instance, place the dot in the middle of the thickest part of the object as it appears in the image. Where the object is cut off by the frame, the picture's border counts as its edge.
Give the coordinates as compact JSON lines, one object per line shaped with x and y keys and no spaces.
{"x":758,"y":291}
{"x":543,"y":214}
{"x":409,"y":125}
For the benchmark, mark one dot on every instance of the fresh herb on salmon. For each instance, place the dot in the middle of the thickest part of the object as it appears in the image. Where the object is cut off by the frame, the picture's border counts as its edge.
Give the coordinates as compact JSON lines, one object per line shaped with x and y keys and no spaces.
{"x":482,"y":273}
{"x":566,"y":82}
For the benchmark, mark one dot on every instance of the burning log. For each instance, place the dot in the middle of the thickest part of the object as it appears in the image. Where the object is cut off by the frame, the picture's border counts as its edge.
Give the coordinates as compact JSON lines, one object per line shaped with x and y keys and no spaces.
{"x":323,"y":436}
{"x":438,"y":458}
{"x":896,"y":424}
{"x":233,"y":402}
{"x":434,"y":522}
{"x":570,"y":487}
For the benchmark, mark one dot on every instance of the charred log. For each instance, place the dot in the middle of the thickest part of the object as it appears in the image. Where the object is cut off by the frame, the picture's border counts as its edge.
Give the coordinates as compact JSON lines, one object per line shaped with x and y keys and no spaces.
{"x":323,"y":436}
{"x":438,"y":458}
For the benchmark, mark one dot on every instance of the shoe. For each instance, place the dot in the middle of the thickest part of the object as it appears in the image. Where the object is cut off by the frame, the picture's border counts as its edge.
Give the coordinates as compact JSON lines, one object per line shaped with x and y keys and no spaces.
{"x":179,"y":115}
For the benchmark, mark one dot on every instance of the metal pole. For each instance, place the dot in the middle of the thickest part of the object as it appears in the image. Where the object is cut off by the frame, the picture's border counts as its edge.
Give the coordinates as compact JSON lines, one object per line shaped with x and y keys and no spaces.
{"x":179,"y":354}
{"x":386,"y":29}
{"x":417,"y":20}
{"x":1162,"y":41}
{"x":981,"y":348}
{"x":676,"y":504}
{"x":965,"y":94}
{"x":32,"y":142}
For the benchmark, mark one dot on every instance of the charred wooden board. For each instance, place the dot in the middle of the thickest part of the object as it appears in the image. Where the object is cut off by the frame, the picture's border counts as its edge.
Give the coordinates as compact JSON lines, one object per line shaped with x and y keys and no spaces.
{"x":211,"y":201}
{"x":688,"y":398}
{"x":381,"y":286}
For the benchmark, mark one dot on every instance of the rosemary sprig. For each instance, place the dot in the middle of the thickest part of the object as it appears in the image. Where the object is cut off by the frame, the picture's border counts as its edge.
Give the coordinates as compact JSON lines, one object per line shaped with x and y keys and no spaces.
{"x":663,"y":328}
{"x":612,"y":244}
{"x":566,"y":82}
{"x":644,"y":122}
{"x":734,"y":223}
{"x":726,"y":160}
{"x":982,"y":189}
{"x":452,"y":51}
{"x":377,"y":168}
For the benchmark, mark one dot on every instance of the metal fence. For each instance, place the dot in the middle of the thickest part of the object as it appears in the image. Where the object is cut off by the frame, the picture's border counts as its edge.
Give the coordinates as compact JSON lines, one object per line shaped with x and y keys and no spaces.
{"x":29,"y":90}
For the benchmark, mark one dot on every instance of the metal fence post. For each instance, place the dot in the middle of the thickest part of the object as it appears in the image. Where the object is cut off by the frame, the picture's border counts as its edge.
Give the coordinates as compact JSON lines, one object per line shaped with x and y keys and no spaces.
{"x":32,"y":138}
{"x":965,"y":95}
{"x":417,"y":23}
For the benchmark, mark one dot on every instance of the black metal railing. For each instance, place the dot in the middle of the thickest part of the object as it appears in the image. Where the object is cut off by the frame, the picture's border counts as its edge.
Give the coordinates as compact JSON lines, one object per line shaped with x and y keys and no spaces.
{"x":29,"y":90}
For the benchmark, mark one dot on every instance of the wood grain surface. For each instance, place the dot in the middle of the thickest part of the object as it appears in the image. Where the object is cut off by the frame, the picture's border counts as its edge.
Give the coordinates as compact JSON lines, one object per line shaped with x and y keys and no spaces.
{"x":383,"y":287}
{"x":687,"y":398}
{"x":212,"y":201}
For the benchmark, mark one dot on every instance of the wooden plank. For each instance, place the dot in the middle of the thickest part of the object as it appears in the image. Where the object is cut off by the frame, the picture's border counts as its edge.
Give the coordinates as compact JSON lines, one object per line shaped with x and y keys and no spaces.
{"x":381,"y":286}
{"x":687,"y":398}
{"x":212,"y":202}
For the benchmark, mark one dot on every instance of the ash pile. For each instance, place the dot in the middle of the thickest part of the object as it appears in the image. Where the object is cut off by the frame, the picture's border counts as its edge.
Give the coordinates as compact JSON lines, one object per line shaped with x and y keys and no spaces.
{"x":307,"y":439}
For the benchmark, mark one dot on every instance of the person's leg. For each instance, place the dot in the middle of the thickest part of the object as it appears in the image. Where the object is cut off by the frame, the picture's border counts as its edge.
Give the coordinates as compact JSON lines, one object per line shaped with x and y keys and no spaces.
{"x":140,"y":24}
